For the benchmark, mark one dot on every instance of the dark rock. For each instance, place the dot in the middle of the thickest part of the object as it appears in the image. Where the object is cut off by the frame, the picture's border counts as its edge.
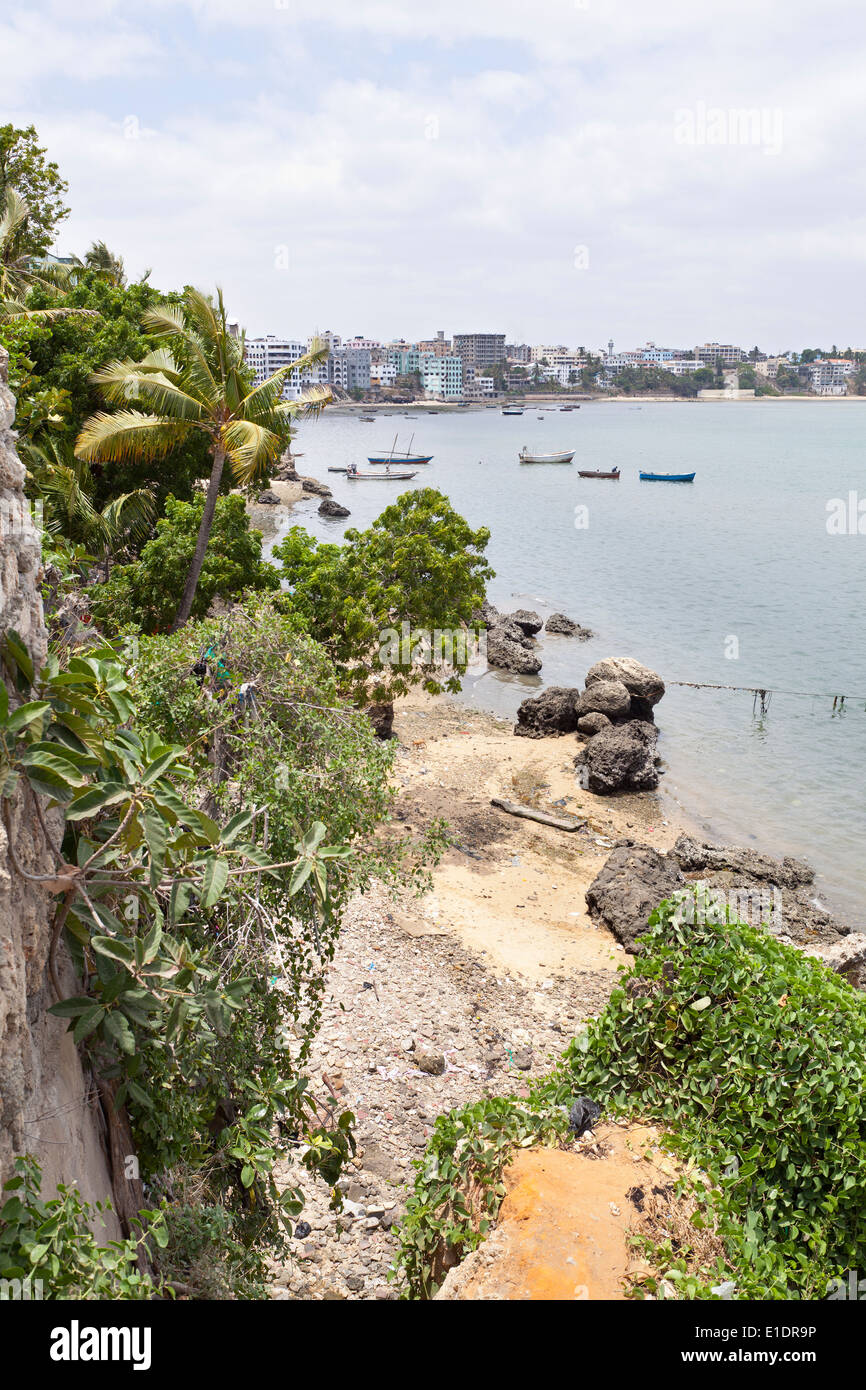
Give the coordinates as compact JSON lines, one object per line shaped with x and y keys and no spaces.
{"x":328,"y":507}
{"x":605,"y":697}
{"x":638,"y":680}
{"x":632,"y":883}
{"x":566,"y":627}
{"x":558,"y":622}
{"x":528,"y":621}
{"x":641,"y":709}
{"x":508,"y":653}
{"x":592,"y":723}
{"x":522,"y":1058}
{"x":548,"y":715}
{"x":268,"y":498}
{"x":621,"y":758}
{"x":487,"y":615}
{"x":315,"y":487}
{"x":747,"y":863}
{"x":381,"y":716}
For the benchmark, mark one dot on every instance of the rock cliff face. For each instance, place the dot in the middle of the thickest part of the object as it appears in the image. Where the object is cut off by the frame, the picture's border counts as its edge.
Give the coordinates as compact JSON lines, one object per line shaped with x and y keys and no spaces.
{"x":47,"y":1106}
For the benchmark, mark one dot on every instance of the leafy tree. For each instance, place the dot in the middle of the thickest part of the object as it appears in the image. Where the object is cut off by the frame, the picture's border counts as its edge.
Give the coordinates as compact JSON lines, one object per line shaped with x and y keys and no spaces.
{"x":747,"y":378}
{"x":419,"y":564}
{"x":20,"y":272}
{"x":196,"y":382}
{"x":37,"y":181}
{"x":146,"y":594}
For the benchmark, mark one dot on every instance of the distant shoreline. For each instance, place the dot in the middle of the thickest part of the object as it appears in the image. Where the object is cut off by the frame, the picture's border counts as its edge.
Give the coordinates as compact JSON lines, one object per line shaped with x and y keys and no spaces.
{"x":555,"y":402}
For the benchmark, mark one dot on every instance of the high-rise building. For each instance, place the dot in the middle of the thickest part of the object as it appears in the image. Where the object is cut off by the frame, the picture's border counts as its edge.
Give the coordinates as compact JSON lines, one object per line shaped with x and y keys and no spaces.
{"x":480,"y":349}
{"x":724,"y":353}
{"x":267,"y":355}
{"x":349,"y":368}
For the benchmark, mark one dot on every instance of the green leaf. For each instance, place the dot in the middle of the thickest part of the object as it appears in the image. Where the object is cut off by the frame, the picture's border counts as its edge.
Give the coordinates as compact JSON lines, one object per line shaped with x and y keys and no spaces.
{"x":26,"y":714}
{"x":71,"y":1008}
{"x":118,"y":1029}
{"x":95,"y":798}
{"x":117,"y":950}
{"x":159,"y":766}
{"x":88,"y":1022}
{"x":214,"y":880}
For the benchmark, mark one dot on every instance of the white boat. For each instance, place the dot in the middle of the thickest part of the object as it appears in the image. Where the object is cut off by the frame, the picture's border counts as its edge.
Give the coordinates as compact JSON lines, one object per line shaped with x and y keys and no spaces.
{"x":526,"y":457}
{"x":512,"y":410}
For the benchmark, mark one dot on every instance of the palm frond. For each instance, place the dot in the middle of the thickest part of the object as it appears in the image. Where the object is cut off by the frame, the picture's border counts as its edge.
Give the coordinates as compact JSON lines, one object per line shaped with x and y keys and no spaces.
{"x":128,"y":434}
{"x":250,"y":449}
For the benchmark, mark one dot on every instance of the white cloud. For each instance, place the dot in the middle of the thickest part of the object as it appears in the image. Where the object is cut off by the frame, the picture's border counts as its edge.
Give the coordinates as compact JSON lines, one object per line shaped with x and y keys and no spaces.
{"x":443,"y":189}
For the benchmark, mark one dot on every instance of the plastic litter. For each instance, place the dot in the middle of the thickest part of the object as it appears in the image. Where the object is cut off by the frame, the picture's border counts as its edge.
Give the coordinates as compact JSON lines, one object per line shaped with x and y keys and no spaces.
{"x":583,"y":1115}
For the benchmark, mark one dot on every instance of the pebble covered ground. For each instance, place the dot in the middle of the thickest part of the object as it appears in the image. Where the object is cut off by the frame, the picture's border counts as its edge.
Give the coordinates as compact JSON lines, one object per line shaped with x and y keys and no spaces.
{"x":412,"y":1027}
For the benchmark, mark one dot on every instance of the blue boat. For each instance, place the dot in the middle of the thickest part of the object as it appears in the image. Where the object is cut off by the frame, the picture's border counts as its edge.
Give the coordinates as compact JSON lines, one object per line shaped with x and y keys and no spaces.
{"x":667,"y":477}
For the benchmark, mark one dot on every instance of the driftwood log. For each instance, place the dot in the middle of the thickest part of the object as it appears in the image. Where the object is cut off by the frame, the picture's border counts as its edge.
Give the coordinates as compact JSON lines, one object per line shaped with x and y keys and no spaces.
{"x":543,"y":817}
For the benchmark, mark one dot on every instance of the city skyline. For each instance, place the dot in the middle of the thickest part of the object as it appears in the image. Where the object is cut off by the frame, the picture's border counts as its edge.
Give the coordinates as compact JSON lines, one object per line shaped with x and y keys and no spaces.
{"x":587,"y":161}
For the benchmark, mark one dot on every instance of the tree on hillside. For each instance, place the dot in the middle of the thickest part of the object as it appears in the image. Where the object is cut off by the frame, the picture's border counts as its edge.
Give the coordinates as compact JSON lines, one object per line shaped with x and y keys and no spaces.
{"x":20,"y":272}
{"x":25,"y":169}
{"x":105,"y":263}
{"x":376,"y":602}
{"x":196,"y":381}
{"x":146,"y":593}
{"x":51,"y":367}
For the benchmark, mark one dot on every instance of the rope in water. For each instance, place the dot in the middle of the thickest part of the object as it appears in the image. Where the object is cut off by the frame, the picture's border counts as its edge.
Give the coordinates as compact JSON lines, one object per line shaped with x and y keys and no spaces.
{"x":764,"y":693}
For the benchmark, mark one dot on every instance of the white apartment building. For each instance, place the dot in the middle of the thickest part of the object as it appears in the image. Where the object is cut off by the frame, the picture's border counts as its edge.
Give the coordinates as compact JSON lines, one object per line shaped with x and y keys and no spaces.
{"x":548,"y":351}
{"x":365,"y":344}
{"x":829,"y":376}
{"x":726,"y":353}
{"x":267,"y":355}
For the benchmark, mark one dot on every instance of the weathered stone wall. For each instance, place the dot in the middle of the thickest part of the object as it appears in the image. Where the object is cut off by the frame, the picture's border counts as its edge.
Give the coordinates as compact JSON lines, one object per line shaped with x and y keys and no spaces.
{"x":47,"y":1105}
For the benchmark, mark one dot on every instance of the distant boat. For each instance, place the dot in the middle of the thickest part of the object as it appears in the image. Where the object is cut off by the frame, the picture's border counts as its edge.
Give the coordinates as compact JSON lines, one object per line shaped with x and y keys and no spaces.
{"x":667,"y":477}
{"x":597,"y":473}
{"x":414,"y":459}
{"x":366,"y":477}
{"x":526,"y":457}
{"x":367,"y":419}
{"x":396,"y":455}
{"x":512,"y":410}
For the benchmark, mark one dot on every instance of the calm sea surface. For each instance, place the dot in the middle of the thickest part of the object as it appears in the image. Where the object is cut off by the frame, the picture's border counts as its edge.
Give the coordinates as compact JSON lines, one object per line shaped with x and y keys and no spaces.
{"x":677,"y":576}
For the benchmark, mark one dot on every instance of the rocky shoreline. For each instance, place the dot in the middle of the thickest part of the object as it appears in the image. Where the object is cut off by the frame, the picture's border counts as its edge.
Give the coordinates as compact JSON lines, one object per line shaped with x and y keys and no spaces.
{"x":479,"y":985}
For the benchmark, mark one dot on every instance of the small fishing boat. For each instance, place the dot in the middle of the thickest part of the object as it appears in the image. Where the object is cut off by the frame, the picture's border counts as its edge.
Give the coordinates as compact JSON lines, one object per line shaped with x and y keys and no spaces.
{"x":667,"y":477}
{"x":512,"y":410}
{"x":402,"y":456}
{"x":413,"y":459}
{"x":597,"y":473}
{"x":387,"y":474}
{"x":526,"y":457}
{"x":366,"y":419}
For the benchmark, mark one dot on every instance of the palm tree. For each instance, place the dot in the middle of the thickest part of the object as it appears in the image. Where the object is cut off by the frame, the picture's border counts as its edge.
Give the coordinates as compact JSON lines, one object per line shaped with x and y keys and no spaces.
{"x":20,"y":272}
{"x":65,"y":487}
{"x":198,"y":380}
{"x":103,"y":263}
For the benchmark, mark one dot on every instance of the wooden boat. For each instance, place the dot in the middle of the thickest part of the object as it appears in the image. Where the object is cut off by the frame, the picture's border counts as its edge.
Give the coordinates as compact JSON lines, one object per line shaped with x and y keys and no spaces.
{"x":526,"y":457}
{"x":382,"y":473}
{"x":401,"y":456}
{"x":667,"y":477}
{"x":401,"y":473}
{"x":597,"y":473}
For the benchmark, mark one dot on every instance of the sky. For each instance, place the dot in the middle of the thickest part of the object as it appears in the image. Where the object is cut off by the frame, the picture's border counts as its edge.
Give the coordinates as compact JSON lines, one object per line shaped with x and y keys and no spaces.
{"x":563,"y":171}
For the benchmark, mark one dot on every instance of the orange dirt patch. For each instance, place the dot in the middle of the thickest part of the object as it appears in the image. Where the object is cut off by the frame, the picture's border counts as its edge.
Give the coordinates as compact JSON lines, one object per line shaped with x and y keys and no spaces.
{"x":563,"y":1227}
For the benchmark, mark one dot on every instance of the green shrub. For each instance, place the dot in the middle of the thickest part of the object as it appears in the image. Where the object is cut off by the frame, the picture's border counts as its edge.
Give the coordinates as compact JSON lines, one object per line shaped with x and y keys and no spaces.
{"x":146,"y":594}
{"x":752,"y":1056}
{"x":48,"y":1247}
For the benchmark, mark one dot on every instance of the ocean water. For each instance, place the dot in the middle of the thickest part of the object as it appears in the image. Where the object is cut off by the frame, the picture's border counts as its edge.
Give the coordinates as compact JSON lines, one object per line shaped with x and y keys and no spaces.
{"x":733,"y":580}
